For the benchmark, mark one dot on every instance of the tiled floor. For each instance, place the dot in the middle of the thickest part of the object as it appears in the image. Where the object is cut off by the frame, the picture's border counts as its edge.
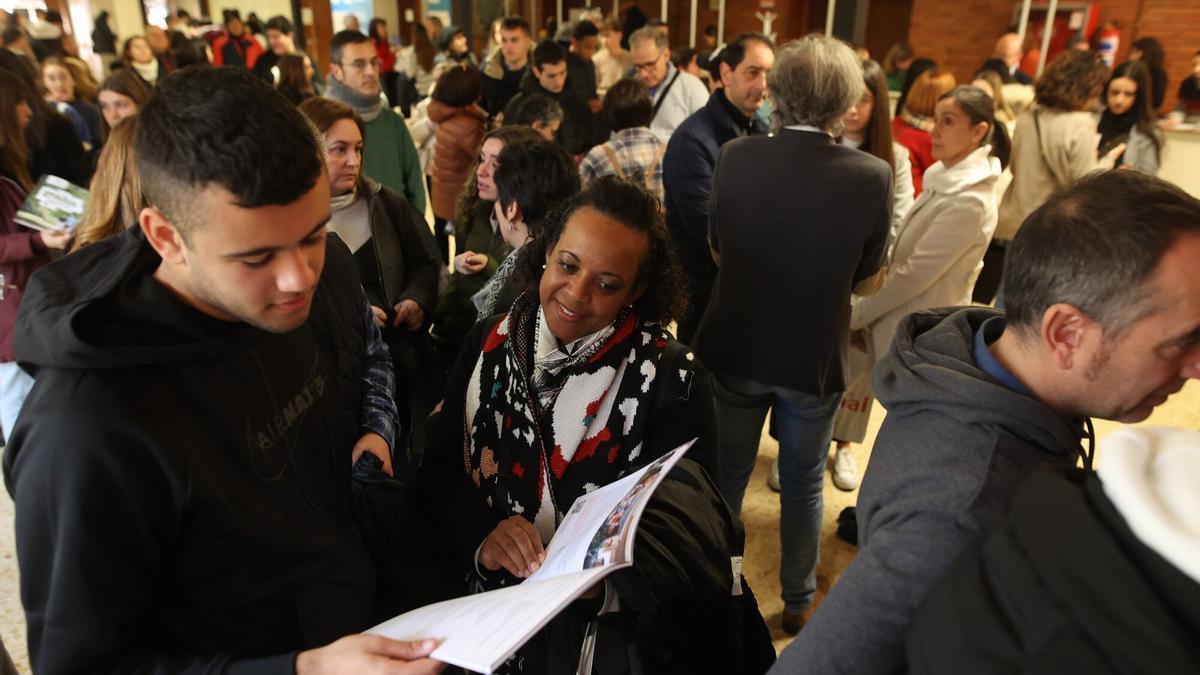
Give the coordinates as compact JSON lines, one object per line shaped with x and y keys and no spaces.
{"x":761,"y":515}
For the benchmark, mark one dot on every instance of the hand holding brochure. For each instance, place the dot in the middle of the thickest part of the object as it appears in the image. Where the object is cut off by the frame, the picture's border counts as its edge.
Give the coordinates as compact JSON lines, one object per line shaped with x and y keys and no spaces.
{"x":479,"y":632}
{"x":53,"y":205}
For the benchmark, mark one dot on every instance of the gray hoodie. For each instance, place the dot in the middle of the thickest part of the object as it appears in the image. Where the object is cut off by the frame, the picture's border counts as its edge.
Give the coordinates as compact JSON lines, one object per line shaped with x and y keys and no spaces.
{"x":954,"y":446}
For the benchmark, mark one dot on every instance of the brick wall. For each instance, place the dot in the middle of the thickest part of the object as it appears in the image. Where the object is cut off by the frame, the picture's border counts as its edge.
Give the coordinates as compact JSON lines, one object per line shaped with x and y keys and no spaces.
{"x":959,"y":35}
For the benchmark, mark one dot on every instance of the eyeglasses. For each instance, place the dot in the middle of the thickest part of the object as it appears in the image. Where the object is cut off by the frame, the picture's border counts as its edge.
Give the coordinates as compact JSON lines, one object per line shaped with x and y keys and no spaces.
{"x":361,"y":64}
{"x":649,"y":66}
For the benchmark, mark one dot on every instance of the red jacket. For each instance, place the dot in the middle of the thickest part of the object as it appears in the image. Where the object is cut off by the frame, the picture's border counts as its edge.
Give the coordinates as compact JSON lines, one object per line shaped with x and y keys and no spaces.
{"x":21,"y":254}
{"x":920,"y":149}
{"x":240,"y":51}
{"x":387,"y":58}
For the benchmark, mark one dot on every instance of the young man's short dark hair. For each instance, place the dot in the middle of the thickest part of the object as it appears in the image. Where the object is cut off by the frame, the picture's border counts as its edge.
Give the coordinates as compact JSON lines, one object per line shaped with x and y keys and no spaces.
{"x":711,"y":30}
{"x":628,"y":105}
{"x":548,"y":52}
{"x":281,"y":24}
{"x":584,"y":30}
{"x":538,"y":176}
{"x":228,"y":128}
{"x":340,"y":40}
{"x":459,"y":86}
{"x":526,"y":109}
{"x":1093,"y":246}
{"x":514,"y":23}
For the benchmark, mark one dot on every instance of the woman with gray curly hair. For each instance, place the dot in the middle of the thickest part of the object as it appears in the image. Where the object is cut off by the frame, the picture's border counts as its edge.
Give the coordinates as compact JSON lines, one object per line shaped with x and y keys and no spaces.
{"x":794,"y":216}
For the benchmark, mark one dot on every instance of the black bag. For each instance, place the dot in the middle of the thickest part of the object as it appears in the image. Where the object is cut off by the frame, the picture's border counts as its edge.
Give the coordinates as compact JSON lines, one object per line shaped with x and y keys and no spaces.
{"x":679,"y":613}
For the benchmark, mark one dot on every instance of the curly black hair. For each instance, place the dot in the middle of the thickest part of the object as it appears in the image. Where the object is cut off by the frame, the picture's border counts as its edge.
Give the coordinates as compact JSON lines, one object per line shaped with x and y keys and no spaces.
{"x":659,"y":275}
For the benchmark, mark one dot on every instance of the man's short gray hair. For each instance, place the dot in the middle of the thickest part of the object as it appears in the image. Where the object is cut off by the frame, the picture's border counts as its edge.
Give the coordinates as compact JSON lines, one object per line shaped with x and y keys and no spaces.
{"x":815,"y":80}
{"x":649,"y":33}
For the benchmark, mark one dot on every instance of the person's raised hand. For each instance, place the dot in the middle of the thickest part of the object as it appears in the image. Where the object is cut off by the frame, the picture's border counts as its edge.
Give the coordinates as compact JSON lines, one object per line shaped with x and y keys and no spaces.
{"x":369,"y":654}
{"x":1110,"y":159}
{"x":373,"y":443}
{"x":56,"y":238}
{"x":470,"y":262}
{"x":515,"y":546}
{"x":409,"y":314}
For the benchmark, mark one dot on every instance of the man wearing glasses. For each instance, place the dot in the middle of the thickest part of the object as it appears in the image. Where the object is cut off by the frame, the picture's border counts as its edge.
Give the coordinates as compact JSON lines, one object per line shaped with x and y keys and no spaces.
{"x":389,"y":155}
{"x":676,"y":94}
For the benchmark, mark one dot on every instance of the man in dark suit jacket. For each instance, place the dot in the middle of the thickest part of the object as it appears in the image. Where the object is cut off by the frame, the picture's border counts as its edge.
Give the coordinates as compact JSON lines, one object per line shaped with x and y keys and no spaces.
{"x":799,"y":222}
{"x":692,"y":153}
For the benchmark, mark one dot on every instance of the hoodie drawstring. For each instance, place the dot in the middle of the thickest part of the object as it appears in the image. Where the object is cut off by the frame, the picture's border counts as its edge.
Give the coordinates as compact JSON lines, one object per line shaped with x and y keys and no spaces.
{"x":1090,"y":453}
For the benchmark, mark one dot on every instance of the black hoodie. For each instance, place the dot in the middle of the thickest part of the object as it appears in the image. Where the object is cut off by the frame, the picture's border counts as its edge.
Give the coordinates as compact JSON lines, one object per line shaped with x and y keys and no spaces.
{"x":955,"y":445}
{"x":577,"y":134}
{"x":182,"y":484}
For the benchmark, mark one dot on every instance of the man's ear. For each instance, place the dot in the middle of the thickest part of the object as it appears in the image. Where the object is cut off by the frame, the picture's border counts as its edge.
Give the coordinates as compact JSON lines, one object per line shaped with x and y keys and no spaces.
{"x":1067,"y":334}
{"x":335,"y":71}
{"x":726,"y":73}
{"x":162,"y":235}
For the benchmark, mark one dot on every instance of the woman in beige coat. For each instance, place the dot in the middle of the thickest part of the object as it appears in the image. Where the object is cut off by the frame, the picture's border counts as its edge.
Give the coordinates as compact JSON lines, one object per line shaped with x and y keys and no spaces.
{"x":1053,"y":146}
{"x":940,"y":248}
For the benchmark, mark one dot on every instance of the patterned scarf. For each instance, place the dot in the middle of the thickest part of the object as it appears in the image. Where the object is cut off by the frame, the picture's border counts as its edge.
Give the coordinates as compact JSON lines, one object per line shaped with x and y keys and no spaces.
{"x":533,"y":456}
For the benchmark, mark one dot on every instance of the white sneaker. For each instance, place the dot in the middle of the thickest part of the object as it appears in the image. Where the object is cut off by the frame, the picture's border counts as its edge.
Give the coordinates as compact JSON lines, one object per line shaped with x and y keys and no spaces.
{"x":773,"y":477}
{"x":845,"y":470}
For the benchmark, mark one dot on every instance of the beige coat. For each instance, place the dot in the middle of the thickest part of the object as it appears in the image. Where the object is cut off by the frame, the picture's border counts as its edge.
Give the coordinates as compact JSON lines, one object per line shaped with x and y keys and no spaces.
{"x":1067,"y":152}
{"x":939,"y":251}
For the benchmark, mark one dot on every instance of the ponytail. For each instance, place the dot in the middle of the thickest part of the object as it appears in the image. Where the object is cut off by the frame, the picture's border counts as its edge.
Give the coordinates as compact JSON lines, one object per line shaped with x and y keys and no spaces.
{"x":979,"y":107}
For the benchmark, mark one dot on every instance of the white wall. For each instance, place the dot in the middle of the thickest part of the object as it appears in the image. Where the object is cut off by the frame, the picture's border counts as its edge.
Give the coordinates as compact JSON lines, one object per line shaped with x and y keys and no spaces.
{"x":388,"y":11}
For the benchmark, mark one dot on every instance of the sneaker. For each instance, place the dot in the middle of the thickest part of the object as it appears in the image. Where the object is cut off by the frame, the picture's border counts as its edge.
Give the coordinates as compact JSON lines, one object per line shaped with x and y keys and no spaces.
{"x":845,"y":470}
{"x":773,"y":477}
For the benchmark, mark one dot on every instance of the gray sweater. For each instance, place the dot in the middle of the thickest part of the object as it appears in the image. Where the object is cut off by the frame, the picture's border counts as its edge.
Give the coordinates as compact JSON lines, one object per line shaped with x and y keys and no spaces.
{"x":953,"y":448}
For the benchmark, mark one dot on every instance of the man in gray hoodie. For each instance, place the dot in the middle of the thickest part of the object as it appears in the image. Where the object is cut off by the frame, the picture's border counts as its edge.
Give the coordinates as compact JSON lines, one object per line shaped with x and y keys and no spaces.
{"x":1103,"y":320}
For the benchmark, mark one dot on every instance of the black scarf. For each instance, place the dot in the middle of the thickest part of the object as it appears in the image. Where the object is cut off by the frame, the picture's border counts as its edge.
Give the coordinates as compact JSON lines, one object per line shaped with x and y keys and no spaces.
{"x":1115,"y":129}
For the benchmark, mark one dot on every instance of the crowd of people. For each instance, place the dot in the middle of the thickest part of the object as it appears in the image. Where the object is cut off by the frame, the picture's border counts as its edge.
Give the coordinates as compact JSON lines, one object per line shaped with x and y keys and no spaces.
{"x":259,"y":401}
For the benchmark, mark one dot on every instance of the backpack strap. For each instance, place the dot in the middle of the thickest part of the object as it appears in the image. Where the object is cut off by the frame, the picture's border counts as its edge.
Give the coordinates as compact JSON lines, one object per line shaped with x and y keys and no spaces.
{"x":612,"y":159}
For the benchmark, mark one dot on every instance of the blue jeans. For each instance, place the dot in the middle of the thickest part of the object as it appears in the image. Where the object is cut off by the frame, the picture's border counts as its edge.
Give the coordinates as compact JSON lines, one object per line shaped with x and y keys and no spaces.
{"x":14,"y":387}
{"x":804,"y":424}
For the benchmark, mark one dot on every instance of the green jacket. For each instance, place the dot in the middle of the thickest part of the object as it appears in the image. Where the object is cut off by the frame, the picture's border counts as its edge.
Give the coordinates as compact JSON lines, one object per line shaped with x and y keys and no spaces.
{"x":390,"y":157}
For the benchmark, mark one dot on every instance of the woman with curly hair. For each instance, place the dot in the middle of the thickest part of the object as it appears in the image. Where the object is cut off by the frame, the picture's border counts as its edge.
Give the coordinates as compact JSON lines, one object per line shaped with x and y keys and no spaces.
{"x":478,"y":241}
{"x":1053,"y":146}
{"x":589,"y":384}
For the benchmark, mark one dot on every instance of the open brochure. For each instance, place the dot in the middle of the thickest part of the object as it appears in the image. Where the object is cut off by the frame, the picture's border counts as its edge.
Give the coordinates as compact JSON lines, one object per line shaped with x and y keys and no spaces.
{"x":480,"y":632}
{"x":54,"y":204}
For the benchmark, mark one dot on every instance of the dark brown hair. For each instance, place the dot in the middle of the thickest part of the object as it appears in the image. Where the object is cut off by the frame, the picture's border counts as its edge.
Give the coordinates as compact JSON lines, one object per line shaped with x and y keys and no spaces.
{"x":460,"y":85}
{"x":1071,"y":80}
{"x":13,"y":151}
{"x":878,"y":140}
{"x":291,"y":74}
{"x":468,"y":206}
{"x":627,"y":105}
{"x":125,"y":83}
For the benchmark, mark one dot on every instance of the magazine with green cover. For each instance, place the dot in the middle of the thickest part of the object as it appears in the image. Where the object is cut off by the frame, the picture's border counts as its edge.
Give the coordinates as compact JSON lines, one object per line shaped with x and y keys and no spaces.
{"x":53,"y":204}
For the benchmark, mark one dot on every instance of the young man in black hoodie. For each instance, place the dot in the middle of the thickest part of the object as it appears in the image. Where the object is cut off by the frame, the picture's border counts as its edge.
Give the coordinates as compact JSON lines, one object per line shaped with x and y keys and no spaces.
{"x":182,"y":469}
{"x":548,"y":76}
{"x":1103,"y":320}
